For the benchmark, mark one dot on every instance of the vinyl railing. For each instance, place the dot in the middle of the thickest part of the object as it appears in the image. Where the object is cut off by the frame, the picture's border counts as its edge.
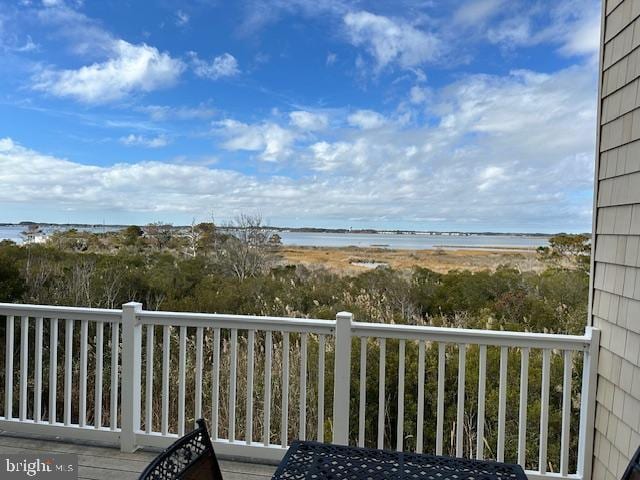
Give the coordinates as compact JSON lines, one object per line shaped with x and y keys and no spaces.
{"x":141,"y":378}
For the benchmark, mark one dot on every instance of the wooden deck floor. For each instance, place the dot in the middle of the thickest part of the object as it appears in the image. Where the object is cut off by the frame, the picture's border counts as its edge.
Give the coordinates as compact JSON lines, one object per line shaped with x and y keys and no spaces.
{"x":96,"y":462}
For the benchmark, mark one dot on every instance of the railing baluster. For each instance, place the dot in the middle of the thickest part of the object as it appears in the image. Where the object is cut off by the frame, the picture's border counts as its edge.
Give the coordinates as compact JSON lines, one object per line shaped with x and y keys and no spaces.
{"x":53,"y":366}
{"x":462,"y":354}
{"x":440,"y":404}
{"x":381,"y":391}
{"x":420,"y":418}
{"x":84,"y":334}
{"x":363,"y":390}
{"x":166,"y":351}
{"x":524,"y":402}
{"x":37,"y":388}
{"x":232,"y":384}
{"x":197,"y":408}
{"x":115,"y":348}
{"x":182,"y":365}
{"x":24,"y":366}
{"x":98,"y":375}
{"x":482,"y":383}
{"x":321,"y":350}
{"x":284,"y":427}
{"x":465,"y":339}
{"x":400,"y":426}
{"x":8,"y":388}
{"x":215,"y":383}
{"x":131,"y":379}
{"x":302,"y":423}
{"x":68,"y":369}
{"x":249,"y":410}
{"x":544,"y":410}
{"x":566,"y":413}
{"x":148,"y":404}
{"x":268,"y":352}
{"x":502,"y":401}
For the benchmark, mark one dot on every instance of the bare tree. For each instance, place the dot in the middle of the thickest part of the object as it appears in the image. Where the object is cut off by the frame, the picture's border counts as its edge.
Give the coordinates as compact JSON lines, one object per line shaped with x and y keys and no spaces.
{"x":245,"y":253}
{"x":38,"y":270}
{"x":193,"y":238}
{"x":80,"y":282}
{"x":111,"y":280}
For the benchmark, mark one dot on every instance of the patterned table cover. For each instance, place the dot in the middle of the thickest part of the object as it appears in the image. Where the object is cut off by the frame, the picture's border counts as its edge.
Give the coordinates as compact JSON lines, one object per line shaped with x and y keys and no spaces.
{"x":313,"y":460}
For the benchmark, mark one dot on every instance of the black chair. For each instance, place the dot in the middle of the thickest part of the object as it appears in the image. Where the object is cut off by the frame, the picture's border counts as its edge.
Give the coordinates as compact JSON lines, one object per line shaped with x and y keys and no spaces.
{"x":633,"y":469}
{"x":190,"y":458}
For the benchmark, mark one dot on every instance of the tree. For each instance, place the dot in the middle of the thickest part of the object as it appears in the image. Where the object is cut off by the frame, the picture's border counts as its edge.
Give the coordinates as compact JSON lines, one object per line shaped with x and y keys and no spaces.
{"x":131,"y":234}
{"x":160,"y":233}
{"x":193,"y":236}
{"x":575,"y":248}
{"x":12,"y":284}
{"x":208,"y":237}
{"x":245,"y":253}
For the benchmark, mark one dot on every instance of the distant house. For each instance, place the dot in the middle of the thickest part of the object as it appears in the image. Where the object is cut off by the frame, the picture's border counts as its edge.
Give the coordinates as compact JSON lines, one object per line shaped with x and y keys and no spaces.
{"x":34,"y":234}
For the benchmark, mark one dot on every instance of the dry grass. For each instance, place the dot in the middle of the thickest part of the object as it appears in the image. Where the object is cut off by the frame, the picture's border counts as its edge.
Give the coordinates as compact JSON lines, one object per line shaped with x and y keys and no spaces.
{"x":340,"y":259}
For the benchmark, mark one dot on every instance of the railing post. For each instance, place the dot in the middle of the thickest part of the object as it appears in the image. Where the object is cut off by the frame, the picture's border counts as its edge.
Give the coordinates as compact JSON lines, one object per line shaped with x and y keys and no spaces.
{"x":131,"y":361}
{"x":342,"y":378}
{"x":588,"y":404}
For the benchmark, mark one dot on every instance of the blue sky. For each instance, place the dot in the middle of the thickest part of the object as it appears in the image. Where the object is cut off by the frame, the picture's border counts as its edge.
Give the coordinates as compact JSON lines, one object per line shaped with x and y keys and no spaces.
{"x":459,"y":115}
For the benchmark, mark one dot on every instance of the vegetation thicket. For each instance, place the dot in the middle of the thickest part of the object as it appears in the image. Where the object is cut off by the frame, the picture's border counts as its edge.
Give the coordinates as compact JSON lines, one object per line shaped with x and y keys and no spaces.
{"x":201,"y":269}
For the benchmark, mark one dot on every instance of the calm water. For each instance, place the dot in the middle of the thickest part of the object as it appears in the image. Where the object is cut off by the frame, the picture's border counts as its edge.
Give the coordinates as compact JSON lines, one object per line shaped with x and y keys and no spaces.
{"x":408,"y":242}
{"x":386,"y":240}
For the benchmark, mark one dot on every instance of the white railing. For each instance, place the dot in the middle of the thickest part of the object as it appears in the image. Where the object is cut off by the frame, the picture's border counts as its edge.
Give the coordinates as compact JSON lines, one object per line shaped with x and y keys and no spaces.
{"x":262,"y":381}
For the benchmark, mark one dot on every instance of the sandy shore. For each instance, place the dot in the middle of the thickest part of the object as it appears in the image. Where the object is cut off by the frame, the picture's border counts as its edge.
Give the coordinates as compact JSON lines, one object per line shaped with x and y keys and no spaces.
{"x":355,"y":259}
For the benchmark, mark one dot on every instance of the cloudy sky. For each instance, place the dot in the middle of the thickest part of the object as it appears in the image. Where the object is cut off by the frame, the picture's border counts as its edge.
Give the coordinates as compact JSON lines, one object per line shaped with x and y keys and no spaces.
{"x":458,"y":115}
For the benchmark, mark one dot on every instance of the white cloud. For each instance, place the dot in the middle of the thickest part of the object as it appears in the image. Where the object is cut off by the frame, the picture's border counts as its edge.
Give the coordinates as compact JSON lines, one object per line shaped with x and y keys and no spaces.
{"x":340,"y":155}
{"x":572,"y":25}
{"x":476,"y":11}
{"x":366,"y":119}
{"x":224,"y":65}
{"x":308,"y":120}
{"x":132,"y":140}
{"x":512,"y":32}
{"x":85,"y":36}
{"x":271,"y":139}
{"x":490,"y":176}
{"x":147,"y":188}
{"x":331,"y":58}
{"x":28,"y":46}
{"x":391,"y":41}
{"x":583,"y":38}
{"x":418,"y":94}
{"x":504,"y":152}
{"x":161,"y":113}
{"x":182,"y":18}
{"x":130,"y":69}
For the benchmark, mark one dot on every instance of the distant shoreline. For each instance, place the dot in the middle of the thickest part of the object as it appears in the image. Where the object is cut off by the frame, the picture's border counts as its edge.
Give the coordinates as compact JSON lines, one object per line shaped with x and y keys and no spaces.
{"x":364,"y":231}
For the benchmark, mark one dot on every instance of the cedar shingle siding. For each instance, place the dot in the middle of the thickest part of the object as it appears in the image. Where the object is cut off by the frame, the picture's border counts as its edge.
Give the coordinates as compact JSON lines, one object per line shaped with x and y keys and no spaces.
{"x":616,"y":281}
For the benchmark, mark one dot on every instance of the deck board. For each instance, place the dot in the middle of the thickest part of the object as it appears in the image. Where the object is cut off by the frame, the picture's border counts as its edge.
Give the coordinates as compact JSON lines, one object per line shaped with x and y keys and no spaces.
{"x":100,"y":462}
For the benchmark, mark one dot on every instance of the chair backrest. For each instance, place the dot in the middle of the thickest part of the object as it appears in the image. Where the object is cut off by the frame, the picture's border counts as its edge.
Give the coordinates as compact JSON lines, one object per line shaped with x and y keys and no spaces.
{"x":191,"y":457}
{"x":633,"y":469}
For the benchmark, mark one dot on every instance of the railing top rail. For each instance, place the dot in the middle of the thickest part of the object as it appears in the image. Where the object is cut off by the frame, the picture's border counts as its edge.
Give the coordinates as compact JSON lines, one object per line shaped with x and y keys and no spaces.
{"x":244,"y":322}
{"x":473,"y":336}
{"x":359,"y":329}
{"x":53,"y":311}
